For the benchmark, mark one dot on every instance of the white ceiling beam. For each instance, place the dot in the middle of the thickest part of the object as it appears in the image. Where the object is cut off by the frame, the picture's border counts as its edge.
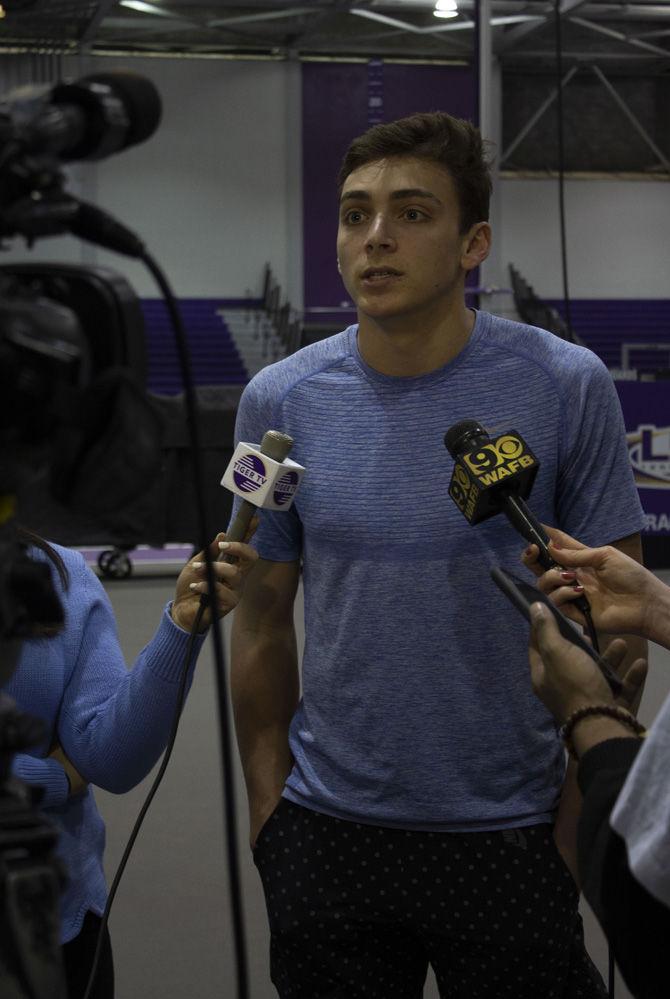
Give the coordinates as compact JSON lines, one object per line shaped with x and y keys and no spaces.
{"x":516,"y":35}
{"x":393,"y":22}
{"x":586,"y":55}
{"x":619,"y":35}
{"x":91,"y":28}
{"x":512,"y":38}
{"x":567,"y":5}
{"x":660,"y":33}
{"x":631,"y":118}
{"x":150,"y":8}
{"x":439,"y":29}
{"x":533,"y":120}
{"x":270,"y":15}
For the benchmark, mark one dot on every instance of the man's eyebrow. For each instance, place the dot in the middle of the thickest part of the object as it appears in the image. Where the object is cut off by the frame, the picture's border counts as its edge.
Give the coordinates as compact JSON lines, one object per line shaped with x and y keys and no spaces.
{"x":406,"y":192}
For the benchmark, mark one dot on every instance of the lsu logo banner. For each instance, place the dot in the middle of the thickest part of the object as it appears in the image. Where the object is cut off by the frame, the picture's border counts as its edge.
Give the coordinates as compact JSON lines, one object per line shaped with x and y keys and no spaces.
{"x":649,"y":451}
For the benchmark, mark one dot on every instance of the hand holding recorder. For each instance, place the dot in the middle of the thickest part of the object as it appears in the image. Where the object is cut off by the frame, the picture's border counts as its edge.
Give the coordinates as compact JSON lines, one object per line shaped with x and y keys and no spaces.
{"x":567,"y":679}
{"x":523,"y":595}
{"x":624,"y":596}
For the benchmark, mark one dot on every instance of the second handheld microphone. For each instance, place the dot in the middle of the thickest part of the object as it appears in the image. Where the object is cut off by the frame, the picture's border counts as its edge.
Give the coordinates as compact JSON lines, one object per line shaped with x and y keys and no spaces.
{"x":495,"y":475}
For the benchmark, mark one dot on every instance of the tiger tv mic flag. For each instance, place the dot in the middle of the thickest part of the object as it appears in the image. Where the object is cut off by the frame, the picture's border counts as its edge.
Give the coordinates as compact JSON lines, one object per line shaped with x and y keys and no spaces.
{"x":263,"y":476}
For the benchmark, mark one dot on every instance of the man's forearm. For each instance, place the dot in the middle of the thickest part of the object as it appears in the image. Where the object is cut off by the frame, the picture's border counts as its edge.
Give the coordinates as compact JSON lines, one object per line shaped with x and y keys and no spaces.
{"x":567,"y":819}
{"x":265,"y":693}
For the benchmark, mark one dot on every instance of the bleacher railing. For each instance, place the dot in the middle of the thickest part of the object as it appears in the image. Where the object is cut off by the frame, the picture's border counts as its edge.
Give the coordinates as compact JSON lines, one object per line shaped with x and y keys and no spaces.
{"x":285,"y":320}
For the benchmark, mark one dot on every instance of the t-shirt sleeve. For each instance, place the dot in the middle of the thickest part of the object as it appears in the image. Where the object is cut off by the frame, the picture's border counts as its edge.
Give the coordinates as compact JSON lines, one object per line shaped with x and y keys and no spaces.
{"x":278,"y":537}
{"x":597,"y":499}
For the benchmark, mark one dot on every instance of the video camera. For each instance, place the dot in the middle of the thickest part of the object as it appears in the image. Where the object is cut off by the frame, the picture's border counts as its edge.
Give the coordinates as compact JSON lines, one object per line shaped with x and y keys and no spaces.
{"x":72,"y":356}
{"x":72,"y":373}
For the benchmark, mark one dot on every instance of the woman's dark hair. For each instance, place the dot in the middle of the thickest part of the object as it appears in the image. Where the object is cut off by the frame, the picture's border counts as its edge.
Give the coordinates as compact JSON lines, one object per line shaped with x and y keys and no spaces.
{"x":30,"y":538}
{"x":452,"y":143}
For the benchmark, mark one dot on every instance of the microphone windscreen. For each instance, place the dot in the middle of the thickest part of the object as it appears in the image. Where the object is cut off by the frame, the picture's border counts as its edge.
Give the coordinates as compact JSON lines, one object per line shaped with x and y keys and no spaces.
{"x":458,"y":437}
{"x":140,"y":99}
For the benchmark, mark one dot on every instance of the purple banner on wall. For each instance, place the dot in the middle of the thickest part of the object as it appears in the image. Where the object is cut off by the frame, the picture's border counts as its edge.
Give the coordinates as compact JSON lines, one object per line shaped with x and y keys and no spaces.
{"x":375,"y":92}
{"x":339,"y":102}
{"x":646,"y":410}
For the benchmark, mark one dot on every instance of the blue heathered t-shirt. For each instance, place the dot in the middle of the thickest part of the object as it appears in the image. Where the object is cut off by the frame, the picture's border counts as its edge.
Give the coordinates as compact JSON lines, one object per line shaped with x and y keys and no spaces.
{"x":417,"y":709}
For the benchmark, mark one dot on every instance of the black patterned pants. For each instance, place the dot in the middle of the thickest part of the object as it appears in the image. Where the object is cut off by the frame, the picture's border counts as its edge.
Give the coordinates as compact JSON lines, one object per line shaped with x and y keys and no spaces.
{"x":360,"y":912}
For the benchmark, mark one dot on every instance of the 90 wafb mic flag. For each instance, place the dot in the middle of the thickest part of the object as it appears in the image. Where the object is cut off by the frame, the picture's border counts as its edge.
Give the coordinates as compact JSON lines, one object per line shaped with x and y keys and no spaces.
{"x":646,"y":409}
{"x":479,"y":474}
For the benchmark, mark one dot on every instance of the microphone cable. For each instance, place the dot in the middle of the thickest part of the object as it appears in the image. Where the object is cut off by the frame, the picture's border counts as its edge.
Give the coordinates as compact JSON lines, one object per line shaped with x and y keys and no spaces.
{"x":230,"y":809}
{"x":560,"y":135}
{"x":181,"y":697}
{"x":124,"y":241}
{"x":560,"y":132}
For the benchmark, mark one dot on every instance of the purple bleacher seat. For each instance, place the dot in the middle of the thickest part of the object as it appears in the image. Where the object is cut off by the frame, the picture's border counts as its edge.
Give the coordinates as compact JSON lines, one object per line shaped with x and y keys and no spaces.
{"x":605,"y":324}
{"x":215,"y":359}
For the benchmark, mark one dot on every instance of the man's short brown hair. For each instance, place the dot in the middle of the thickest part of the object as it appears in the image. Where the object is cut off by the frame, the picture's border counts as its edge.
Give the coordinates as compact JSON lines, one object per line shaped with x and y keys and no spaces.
{"x":452,"y":143}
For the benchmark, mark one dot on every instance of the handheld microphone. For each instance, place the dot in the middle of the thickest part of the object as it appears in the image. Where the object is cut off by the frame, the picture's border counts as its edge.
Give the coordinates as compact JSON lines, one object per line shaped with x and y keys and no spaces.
{"x":264,"y":476}
{"x":495,"y":475}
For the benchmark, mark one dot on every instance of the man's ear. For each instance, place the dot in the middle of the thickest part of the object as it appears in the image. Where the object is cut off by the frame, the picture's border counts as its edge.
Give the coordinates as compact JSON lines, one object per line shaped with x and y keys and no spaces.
{"x":476,"y":246}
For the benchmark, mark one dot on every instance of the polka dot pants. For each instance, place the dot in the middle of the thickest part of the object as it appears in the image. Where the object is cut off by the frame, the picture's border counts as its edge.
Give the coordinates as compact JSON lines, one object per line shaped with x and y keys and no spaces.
{"x":361,"y":911}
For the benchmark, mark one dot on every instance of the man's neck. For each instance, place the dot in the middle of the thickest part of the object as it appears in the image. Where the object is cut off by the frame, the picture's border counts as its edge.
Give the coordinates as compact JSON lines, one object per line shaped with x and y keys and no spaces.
{"x":412,"y":346}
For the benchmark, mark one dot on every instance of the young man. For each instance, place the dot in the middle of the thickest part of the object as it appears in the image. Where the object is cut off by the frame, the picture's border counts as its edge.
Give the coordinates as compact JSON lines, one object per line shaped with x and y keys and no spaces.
{"x":403,"y":809}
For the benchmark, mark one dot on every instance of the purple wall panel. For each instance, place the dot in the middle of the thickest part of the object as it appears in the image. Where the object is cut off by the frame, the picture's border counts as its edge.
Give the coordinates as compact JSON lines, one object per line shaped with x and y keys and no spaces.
{"x":339,"y":101}
{"x":334,"y":109}
{"x":428,"y":88}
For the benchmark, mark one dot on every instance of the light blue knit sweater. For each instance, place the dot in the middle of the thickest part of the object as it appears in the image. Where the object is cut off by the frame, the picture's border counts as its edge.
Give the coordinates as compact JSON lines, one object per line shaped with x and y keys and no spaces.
{"x":113,"y":723}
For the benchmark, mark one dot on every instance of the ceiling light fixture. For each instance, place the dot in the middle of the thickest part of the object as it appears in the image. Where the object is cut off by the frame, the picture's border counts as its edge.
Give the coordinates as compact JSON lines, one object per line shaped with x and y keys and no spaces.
{"x":446,"y":8}
{"x":145,"y":8}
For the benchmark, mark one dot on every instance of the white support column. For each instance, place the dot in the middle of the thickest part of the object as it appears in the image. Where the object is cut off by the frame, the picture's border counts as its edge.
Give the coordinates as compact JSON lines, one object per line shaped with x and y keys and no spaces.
{"x":484,"y":53}
{"x":294,"y":266}
{"x":493,"y":272}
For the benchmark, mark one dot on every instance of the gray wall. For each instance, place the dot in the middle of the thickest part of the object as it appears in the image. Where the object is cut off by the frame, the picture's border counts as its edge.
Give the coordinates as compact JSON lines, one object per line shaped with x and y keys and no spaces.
{"x":616,"y":235}
{"x":216,"y":193}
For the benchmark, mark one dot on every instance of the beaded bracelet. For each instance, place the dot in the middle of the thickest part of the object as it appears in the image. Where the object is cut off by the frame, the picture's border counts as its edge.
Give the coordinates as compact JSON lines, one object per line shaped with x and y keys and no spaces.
{"x":609,"y":711}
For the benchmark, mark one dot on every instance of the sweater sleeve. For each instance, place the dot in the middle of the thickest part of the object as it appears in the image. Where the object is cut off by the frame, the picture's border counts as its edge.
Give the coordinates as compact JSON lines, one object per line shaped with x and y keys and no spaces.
{"x":45,"y":773}
{"x":114,"y":723}
{"x":636,"y":925}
